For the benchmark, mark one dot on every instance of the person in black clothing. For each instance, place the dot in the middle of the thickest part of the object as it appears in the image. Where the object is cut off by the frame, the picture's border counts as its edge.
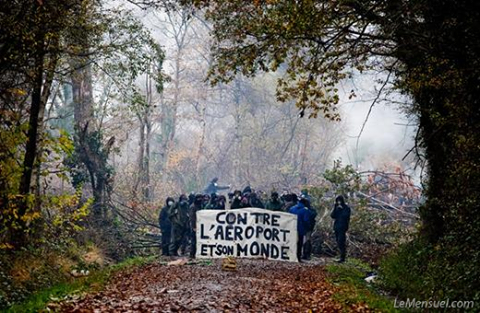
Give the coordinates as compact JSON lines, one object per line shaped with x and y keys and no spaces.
{"x":290,"y":200}
{"x":213,"y":187}
{"x":245,"y":202}
{"x":255,"y":202}
{"x":341,"y":215}
{"x":221,"y":203}
{"x":180,"y":222}
{"x":310,"y":225}
{"x":274,"y":204}
{"x":206,"y":201}
{"x":166,"y":225}
{"x":247,"y":190}
{"x":295,"y":199}
{"x":194,"y":208}
{"x":236,"y":200}
{"x":212,"y":204}
{"x":191,"y":198}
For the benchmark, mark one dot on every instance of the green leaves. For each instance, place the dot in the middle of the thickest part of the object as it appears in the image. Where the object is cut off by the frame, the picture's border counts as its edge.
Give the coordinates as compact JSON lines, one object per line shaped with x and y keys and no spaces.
{"x":129,"y":51}
{"x":345,"y":178}
{"x":313,"y":44}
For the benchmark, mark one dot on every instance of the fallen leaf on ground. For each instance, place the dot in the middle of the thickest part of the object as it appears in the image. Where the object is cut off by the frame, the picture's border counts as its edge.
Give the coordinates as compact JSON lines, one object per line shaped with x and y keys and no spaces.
{"x":178,"y":262}
{"x":256,"y":286}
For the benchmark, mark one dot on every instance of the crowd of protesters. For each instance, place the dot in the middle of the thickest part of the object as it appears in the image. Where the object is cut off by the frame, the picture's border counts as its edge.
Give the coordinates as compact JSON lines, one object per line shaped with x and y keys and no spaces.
{"x":178,"y":217}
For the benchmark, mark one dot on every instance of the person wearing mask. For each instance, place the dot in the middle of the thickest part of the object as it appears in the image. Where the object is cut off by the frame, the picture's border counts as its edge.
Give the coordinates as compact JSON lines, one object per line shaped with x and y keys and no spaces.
{"x":212,"y":204}
{"x":304,"y":194}
{"x":255,"y":202}
{"x":166,"y":225}
{"x":274,"y":204}
{"x":221,"y":203}
{"x":245,"y":202}
{"x":341,"y":215}
{"x":206,"y":201}
{"x":179,"y":217}
{"x":191,"y":198}
{"x":194,"y":208}
{"x":247,"y":191}
{"x":290,"y":201}
{"x":213,"y":187}
{"x":236,"y":200}
{"x":303,"y":217}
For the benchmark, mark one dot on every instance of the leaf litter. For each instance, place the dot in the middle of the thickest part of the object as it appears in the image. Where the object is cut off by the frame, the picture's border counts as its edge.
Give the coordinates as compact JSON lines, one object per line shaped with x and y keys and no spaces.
{"x":256,"y":286}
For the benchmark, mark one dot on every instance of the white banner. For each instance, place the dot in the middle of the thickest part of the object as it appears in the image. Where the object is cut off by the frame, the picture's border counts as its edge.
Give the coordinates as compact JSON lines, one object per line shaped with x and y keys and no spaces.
{"x":247,"y":233}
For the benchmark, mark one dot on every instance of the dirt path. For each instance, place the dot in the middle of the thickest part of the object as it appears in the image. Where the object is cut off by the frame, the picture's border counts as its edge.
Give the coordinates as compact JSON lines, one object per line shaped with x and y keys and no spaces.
{"x":256,"y":286}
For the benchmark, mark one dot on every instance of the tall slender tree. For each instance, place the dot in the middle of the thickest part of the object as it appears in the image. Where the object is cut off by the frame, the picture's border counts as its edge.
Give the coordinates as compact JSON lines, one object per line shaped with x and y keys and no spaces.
{"x":32,"y":44}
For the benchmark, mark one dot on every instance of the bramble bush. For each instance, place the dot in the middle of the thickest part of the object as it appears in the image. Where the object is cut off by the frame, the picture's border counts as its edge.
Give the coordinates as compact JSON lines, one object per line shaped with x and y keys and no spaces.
{"x":420,"y":270}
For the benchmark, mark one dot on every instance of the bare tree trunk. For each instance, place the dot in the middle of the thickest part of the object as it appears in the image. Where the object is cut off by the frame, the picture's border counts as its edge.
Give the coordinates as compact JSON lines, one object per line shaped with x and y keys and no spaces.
{"x":168,"y":119}
{"x":240,"y":177}
{"x":36,"y":118}
{"x":143,"y":179}
{"x":304,"y":160}
{"x":147,"y":192}
{"x":201,"y":143}
{"x":144,"y":117}
{"x":141,"y":157}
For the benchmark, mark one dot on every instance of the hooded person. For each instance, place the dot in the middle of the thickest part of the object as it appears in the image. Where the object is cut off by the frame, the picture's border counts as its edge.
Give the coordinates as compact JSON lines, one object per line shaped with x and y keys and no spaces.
{"x":247,"y":190}
{"x":274,"y":204}
{"x":221,"y":203}
{"x":206,"y":201}
{"x":303,"y":217}
{"x":304,"y":194}
{"x":245,"y":202}
{"x":194,"y":208}
{"x":191,"y":198}
{"x":310,"y":225}
{"x":212,"y":204}
{"x":213,"y":186}
{"x":179,"y":218}
{"x":341,"y":214}
{"x":290,"y":201}
{"x":236,"y":200}
{"x":255,"y":202}
{"x":166,"y":225}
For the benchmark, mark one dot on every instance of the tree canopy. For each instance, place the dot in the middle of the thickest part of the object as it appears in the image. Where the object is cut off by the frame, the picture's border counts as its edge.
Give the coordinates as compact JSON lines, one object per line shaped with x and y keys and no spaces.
{"x":429,"y":51}
{"x":94,"y":135}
